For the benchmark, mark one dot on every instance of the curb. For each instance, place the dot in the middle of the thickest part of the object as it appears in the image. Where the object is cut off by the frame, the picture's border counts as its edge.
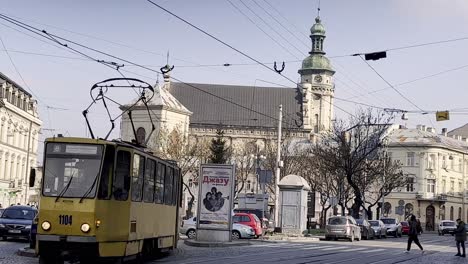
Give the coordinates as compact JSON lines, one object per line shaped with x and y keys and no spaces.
{"x":299,"y":239}
{"x":215,"y":244}
{"x":26,"y":252}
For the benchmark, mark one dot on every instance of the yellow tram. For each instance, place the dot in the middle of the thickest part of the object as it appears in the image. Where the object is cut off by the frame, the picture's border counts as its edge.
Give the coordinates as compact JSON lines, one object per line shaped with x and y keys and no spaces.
{"x":107,"y":200}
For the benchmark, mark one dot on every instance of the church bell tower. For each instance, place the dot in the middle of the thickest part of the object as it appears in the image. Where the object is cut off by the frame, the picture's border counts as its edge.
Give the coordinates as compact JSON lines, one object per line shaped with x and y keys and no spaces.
{"x":317,"y":84}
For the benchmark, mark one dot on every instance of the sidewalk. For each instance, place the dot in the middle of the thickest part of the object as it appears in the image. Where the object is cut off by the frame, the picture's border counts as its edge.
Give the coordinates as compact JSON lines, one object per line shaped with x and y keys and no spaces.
{"x":285,"y":238}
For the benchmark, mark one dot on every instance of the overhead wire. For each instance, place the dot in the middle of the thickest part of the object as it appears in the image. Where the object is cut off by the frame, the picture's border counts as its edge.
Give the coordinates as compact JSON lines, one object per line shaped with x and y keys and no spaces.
{"x":281,"y":24}
{"x":271,"y":28}
{"x":230,"y":46}
{"x":261,"y":29}
{"x":49,"y":35}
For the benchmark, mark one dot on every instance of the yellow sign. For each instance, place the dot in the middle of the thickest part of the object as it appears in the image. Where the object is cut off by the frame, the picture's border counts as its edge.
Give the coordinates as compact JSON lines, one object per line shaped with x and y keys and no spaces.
{"x":442,"y":116}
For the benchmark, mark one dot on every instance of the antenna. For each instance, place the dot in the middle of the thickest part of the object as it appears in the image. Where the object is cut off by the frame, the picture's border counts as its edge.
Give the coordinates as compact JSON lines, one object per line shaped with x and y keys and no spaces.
{"x":167,"y":58}
{"x":318,"y":9}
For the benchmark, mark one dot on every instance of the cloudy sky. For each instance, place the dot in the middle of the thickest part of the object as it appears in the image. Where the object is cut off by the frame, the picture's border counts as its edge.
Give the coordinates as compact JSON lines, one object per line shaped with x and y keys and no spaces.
{"x":431,"y":77}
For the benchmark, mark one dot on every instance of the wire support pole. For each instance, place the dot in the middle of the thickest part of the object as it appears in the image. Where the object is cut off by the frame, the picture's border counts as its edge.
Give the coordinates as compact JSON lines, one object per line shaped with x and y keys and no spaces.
{"x":278,"y":165}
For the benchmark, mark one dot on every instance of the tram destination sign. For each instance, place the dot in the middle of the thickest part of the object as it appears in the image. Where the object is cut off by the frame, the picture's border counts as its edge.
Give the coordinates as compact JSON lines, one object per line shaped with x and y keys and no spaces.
{"x":215,"y":196}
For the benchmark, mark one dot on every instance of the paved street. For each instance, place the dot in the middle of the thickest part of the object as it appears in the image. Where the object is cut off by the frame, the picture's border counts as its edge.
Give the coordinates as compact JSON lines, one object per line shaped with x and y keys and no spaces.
{"x":391,"y":250}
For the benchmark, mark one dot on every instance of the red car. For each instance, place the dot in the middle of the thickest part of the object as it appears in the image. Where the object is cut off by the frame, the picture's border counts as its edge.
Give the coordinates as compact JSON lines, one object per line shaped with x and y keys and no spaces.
{"x":404,"y":228}
{"x":249,"y":220}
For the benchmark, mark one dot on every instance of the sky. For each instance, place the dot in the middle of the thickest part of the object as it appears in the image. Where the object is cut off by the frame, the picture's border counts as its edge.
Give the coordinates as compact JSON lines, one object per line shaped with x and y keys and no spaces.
{"x":430,"y":77}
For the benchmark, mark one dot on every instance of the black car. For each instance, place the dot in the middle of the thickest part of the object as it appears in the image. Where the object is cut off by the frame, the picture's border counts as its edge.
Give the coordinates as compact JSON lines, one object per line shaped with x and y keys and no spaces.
{"x":367,"y":232}
{"x":16,"y":222}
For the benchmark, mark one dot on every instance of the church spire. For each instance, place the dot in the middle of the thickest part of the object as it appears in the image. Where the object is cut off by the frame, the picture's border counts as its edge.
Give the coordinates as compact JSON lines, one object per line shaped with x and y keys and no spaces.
{"x":317,"y":34}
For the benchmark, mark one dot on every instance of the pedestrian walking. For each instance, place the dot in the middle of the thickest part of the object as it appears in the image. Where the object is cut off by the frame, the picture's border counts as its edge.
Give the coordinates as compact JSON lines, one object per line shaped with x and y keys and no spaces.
{"x":460,"y":237}
{"x":413,"y":233}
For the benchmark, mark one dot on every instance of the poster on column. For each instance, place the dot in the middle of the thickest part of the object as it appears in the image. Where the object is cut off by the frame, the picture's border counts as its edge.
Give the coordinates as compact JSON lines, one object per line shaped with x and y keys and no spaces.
{"x":215,"y":196}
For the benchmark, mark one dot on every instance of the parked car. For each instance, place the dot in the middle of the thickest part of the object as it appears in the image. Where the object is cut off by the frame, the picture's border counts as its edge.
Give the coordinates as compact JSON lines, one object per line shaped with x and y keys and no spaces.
{"x":16,"y":222}
{"x":267,"y":224}
{"x":189,"y":228}
{"x":367,"y":232}
{"x":342,"y":227}
{"x":379,"y":228}
{"x":393,"y":226}
{"x":447,"y":227}
{"x":404,"y":228}
{"x":249,"y":220}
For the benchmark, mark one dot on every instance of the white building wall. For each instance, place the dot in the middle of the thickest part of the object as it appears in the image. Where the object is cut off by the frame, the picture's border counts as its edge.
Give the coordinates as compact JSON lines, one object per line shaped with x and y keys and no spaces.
{"x":19,"y":125}
{"x":429,"y":169}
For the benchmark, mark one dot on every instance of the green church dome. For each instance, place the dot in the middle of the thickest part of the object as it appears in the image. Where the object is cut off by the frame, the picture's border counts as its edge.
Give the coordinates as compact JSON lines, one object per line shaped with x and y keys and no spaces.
{"x":317,"y":28}
{"x":317,"y":62}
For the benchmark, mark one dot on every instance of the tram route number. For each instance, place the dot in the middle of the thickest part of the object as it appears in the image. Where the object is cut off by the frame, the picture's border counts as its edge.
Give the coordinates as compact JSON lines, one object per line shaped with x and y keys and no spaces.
{"x":65,"y":219}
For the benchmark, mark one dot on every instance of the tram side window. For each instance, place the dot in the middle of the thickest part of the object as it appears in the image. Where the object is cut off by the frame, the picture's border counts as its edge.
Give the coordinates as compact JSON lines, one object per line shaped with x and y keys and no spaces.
{"x":159,"y":191}
{"x":121,"y":185}
{"x":107,"y":168}
{"x":148,"y":192}
{"x":178,"y":192}
{"x":168,"y":185}
{"x":137,"y":177}
{"x":175,"y":188}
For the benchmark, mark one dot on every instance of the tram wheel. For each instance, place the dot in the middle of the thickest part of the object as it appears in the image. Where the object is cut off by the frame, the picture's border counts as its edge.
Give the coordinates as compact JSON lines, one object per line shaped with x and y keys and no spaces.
{"x":50,"y":259}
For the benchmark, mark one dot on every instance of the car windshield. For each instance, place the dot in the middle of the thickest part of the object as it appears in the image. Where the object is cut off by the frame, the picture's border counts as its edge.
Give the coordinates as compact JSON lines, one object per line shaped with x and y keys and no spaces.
{"x":448,"y":223}
{"x":374,"y":223}
{"x":70,"y":170}
{"x":337,"y":221}
{"x":14,"y":213}
{"x":404,"y":224}
{"x":360,"y":221}
{"x":389,"y":221}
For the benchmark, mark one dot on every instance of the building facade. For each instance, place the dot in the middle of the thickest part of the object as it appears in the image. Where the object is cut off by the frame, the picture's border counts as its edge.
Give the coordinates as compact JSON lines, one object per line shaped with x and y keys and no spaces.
{"x":247,"y":115}
{"x":436,"y":168}
{"x":19,"y":137}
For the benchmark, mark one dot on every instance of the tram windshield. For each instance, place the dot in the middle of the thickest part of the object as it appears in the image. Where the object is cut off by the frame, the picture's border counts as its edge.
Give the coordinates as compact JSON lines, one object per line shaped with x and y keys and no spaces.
{"x":71,"y":170}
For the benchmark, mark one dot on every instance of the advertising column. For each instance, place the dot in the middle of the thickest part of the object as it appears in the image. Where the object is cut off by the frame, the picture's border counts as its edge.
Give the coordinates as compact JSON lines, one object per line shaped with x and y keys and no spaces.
{"x":215,"y":202}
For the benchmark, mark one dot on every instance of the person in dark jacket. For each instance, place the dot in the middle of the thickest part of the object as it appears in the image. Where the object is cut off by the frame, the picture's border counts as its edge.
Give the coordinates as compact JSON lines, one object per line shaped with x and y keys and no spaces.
{"x":414,"y":230}
{"x":460,"y":237}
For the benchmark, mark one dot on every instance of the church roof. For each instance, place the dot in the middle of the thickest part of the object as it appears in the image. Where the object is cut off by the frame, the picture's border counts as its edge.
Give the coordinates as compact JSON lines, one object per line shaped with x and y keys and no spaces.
{"x":162,"y":97}
{"x":210,"y":110}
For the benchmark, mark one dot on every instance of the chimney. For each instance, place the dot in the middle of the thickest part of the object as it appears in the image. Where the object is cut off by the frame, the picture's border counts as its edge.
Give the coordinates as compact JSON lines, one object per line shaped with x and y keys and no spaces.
{"x":430,"y":129}
{"x":423,"y":128}
{"x":459,"y":138}
{"x":444,"y":131}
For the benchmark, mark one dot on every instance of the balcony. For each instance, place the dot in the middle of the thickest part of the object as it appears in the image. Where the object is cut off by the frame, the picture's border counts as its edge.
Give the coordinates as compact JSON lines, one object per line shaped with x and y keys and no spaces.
{"x":435,"y":197}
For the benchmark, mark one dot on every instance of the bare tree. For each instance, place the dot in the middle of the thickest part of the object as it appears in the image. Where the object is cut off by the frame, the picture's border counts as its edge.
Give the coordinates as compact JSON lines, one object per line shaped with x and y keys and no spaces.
{"x":243,"y":156}
{"x":352,"y":150}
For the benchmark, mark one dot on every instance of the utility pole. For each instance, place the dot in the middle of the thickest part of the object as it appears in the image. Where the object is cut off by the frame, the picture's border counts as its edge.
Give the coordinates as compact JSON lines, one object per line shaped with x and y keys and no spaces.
{"x":27,"y":170}
{"x":278,"y":165}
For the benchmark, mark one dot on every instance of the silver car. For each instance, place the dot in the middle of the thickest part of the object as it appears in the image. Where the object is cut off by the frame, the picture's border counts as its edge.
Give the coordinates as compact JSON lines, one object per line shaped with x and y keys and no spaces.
{"x":189,"y":228}
{"x":379,"y":228}
{"x":342,"y":227}
{"x":393,"y":226}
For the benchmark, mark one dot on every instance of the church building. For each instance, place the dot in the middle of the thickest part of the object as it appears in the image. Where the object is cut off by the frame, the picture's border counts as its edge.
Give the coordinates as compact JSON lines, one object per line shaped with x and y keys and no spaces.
{"x":198,"y":110}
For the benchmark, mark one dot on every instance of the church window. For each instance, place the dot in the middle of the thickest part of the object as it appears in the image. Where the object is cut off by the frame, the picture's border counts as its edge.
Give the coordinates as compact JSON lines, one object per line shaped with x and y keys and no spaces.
{"x":141,"y":135}
{"x":316,"y":126}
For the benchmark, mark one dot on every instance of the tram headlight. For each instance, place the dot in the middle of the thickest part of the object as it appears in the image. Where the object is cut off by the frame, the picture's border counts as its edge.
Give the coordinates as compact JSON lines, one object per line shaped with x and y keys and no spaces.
{"x":85,"y":228}
{"x":45,"y":226}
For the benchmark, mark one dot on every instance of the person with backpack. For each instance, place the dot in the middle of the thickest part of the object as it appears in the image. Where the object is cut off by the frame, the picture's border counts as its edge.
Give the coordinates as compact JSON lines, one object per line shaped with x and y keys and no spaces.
{"x":460,"y":237}
{"x":414,"y":231}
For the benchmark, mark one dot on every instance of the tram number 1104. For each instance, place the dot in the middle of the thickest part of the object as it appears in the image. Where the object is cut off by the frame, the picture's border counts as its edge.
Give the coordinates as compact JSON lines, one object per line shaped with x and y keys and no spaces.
{"x":65,"y":219}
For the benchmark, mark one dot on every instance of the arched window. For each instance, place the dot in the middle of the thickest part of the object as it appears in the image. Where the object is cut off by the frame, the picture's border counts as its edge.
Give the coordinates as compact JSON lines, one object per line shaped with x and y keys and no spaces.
{"x":141,"y":135}
{"x":459,"y":212}
{"x":451,"y":213}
